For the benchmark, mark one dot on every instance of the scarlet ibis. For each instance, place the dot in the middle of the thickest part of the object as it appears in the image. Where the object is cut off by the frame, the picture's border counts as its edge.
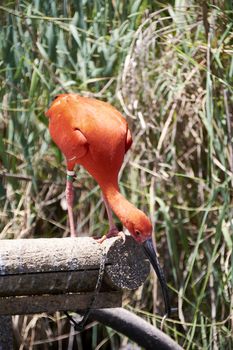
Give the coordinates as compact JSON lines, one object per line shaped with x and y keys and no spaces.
{"x":94,"y":134}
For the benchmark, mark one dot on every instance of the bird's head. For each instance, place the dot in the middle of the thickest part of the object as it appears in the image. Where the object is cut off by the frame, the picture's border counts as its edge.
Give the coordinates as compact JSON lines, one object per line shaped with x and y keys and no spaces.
{"x":140,"y":227}
{"x":141,"y":230}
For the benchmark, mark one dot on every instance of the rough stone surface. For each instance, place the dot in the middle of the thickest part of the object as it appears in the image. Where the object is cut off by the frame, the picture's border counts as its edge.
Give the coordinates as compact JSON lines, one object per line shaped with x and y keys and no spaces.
{"x":34,"y":304}
{"x":131,"y":267}
{"x":35,"y":266}
{"x":38,"y":275}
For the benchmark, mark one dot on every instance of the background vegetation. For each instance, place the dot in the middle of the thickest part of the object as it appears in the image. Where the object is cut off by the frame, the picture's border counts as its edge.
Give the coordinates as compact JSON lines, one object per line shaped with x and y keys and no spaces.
{"x":168,"y":67}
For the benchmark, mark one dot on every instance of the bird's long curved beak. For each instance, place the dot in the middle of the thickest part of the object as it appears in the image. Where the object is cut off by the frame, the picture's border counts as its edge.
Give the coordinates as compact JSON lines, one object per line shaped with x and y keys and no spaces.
{"x":152,"y":256}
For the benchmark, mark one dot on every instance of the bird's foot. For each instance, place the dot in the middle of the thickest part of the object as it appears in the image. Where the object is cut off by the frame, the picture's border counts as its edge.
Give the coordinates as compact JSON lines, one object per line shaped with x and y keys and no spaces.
{"x":113,"y":232}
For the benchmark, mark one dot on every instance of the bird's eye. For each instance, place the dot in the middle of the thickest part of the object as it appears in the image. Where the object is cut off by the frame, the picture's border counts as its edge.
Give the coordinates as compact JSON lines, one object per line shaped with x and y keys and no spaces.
{"x":138,"y":233}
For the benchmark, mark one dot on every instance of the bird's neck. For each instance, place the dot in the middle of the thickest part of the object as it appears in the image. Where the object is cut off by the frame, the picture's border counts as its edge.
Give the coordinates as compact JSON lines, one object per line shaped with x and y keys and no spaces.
{"x":123,"y":209}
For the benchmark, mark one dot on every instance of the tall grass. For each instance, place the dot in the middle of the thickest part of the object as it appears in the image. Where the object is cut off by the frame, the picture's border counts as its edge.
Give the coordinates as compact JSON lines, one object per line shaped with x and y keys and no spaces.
{"x":168,"y":67}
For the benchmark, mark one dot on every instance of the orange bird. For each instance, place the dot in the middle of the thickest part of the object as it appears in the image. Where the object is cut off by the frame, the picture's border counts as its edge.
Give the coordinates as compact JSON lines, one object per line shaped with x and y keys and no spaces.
{"x":95,"y":135}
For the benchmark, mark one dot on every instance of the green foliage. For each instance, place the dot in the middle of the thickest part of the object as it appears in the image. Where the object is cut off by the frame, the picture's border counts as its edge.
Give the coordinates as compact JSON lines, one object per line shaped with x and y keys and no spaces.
{"x":168,"y":66}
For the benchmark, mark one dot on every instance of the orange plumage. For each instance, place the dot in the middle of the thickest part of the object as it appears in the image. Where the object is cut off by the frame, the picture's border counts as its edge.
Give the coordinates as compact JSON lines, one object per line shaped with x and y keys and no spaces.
{"x":95,"y":135}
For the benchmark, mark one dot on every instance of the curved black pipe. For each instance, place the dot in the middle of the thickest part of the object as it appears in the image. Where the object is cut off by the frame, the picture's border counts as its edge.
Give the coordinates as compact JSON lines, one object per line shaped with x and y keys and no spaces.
{"x":135,"y":328}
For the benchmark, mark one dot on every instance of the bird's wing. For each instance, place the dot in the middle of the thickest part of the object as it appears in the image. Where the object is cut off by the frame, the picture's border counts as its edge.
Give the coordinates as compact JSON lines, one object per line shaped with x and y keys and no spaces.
{"x":75,"y":149}
{"x":77,"y":145}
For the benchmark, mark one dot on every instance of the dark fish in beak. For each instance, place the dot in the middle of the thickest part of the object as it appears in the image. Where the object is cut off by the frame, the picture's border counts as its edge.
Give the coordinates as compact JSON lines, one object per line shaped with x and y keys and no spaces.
{"x":152,"y":256}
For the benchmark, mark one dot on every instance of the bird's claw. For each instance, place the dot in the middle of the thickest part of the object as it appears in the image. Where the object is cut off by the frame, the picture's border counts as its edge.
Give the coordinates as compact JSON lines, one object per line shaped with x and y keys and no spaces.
{"x":121,"y":234}
{"x":113,"y":232}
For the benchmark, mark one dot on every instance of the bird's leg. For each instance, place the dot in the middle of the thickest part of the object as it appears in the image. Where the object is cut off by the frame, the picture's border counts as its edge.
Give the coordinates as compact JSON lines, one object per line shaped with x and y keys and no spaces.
{"x":70,"y":200}
{"x":113,"y":230}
